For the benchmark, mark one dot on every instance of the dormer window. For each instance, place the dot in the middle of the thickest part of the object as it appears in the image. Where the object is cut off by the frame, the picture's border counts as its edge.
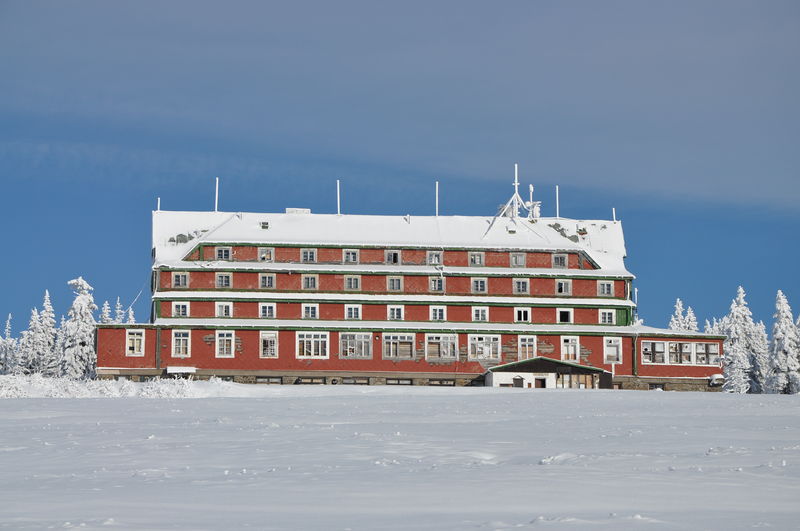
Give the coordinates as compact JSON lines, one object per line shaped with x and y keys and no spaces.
{"x":393,"y":257}
{"x":266,"y":254}
{"x":223,"y":253}
{"x":476,"y":259}
{"x":559,"y":261}
{"x":434,"y":257}
{"x":308,"y":256}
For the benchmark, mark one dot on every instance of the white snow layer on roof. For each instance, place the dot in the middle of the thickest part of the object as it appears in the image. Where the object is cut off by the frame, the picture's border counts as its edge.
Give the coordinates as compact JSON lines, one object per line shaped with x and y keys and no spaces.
{"x":175,"y":233}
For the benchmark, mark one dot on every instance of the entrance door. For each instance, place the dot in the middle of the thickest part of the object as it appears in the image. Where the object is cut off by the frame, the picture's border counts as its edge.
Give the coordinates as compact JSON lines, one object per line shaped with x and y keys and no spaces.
{"x":540,"y":383}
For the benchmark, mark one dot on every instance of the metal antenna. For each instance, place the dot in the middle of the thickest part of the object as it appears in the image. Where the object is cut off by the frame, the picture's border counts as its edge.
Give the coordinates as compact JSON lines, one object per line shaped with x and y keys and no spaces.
{"x":338,"y":199}
{"x":437,"y":199}
{"x":216,"y":196}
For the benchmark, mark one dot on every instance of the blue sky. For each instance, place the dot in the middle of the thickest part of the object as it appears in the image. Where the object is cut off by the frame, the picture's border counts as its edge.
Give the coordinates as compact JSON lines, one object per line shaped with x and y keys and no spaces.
{"x":682,"y":115}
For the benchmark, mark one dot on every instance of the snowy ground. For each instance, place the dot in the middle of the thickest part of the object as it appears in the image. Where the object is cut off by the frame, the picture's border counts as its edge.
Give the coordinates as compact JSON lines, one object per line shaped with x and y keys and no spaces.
{"x":379,"y":458}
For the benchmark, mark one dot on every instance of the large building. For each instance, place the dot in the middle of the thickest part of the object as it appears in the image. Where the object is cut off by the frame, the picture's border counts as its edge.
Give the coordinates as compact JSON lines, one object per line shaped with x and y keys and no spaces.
{"x":511,"y":300}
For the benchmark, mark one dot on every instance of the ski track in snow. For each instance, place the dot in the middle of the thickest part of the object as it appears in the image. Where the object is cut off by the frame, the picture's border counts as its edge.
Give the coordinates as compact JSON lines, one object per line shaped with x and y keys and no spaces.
{"x":389,"y":458}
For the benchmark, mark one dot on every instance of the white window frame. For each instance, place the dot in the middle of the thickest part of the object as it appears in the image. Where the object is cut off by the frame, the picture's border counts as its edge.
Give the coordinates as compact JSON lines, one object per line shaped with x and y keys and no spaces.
{"x":476,"y":258}
{"x":345,"y":256}
{"x":477,"y":346}
{"x":306,"y":310}
{"x":223,"y":251}
{"x":266,"y":278}
{"x":602,"y":311}
{"x":390,"y":280}
{"x":600,"y":284}
{"x":262,"y":352}
{"x":223,"y":334}
{"x":515,"y":289}
{"x":477,"y":280}
{"x":180,"y":274}
{"x":218,"y":309}
{"x":435,"y":309}
{"x":562,"y":351}
{"x":517,"y":259}
{"x":352,"y":279}
{"x":527,"y":347}
{"x":571,"y":315}
{"x":664,"y":353}
{"x":354,"y":307}
{"x":307,"y":279}
{"x":606,"y":340}
{"x":267,"y":307}
{"x":395,"y":308}
{"x":566,"y":283}
{"x":431,"y":280}
{"x":478,"y":311}
{"x":522,"y":309}
{"x":434,"y":258}
{"x":558,"y":257}
{"x":188,"y":339}
{"x":218,"y":280}
{"x":308,"y":255}
{"x":391,"y":338}
{"x":315,"y":338}
{"x":354,"y":342}
{"x":266,"y":254}
{"x":176,"y":304}
{"x":135,"y":353}
{"x":451,"y":340}
{"x":390,"y":253}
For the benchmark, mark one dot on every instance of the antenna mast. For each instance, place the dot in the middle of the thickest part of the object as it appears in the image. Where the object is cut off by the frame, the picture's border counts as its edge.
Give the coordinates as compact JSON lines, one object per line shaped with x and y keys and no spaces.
{"x":338,"y":199}
{"x":437,"y":199}
{"x":216,"y":196}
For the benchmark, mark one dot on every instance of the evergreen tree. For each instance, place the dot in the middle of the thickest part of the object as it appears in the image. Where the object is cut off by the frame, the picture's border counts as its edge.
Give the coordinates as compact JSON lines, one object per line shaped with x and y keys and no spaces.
{"x":30,"y":345}
{"x":739,"y":329}
{"x":759,"y":359}
{"x":119,"y":313}
{"x":676,"y":322}
{"x":47,"y":358}
{"x":8,"y":350}
{"x":79,"y":360}
{"x":131,"y":317}
{"x":105,"y":313}
{"x":690,"y":321}
{"x":784,"y":350}
{"x":58,"y":350}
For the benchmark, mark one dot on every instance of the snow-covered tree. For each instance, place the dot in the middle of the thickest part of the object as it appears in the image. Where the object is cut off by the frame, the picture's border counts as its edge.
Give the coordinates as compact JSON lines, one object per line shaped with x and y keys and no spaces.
{"x":759,"y":359}
{"x":119,"y":313}
{"x":58,"y":349}
{"x":784,"y":350}
{"x":29,"y":345}
{"x":131,"y":317}
{"x":690,"y":321}
{"x":48,"y":360}
{"x":8,"y":350}
{"x":676,"y":322}
{"x":740,"y":345}
{"x":105,"y":313}
{"x":79,"y":359}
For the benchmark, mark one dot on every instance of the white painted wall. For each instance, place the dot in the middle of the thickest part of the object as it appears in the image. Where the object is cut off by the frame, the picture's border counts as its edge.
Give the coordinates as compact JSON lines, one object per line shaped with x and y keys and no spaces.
{"x":496,"y":379}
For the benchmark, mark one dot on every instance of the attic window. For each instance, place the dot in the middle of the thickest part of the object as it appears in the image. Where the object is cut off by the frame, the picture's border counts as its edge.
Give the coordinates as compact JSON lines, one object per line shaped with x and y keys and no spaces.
{"x":265,"y":225}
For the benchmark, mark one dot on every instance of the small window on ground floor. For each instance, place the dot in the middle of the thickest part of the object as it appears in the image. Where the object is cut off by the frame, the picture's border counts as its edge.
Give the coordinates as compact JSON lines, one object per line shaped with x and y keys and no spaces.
{"x":224,"y":344}
{"x":612,"y":349}
{"x":398,"y":346}
{"x":357,"y":346}
{"x":312,"y":344}
{"x":269,"y":344}
{"x":181,"y":344}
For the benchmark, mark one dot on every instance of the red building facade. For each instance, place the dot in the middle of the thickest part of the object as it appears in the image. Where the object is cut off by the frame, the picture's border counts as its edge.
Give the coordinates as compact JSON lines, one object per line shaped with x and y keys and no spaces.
{"x":435,"y":300}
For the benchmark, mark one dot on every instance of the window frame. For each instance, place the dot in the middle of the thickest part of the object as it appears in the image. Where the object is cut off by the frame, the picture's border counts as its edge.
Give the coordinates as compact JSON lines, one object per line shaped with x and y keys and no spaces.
{"x":452,"y":342}
{"x":600,"y":284}
{"x":263,"y":305}
{"x":218,"y":280}
{"x":474,"y":280}
{"x":601,"y":311}
{"x":389,"y":253}
{"x":566,"y":283}
{"x":395,"y":337}
{"x":476,"y":259}
{"x":223,"y":304}
{"x":433,"y":279}
{"x":188,"y":339}
{"x":263,"y":277}
{"x":217,"y":336}
{"x":493,"y":339}
{"x":563,"y":354}
{"x":606,"y":340}
{"x":477,"y":309}
{"x":308,"y":255}
{"x":309,"y":278}
{"x":513,"y":256}
{"x":556,"y":257}
{"x":429,"y":258}
{"x":304,"y":307}
{"x":359,"y":338}
{"x":176,"y":304}
{"x":436,"y":308}
{"x":515,"y":289}
{"x":261,"y":336}
{"x":526,"y":309}
{"x":654,"y":353}
{"x":345,"y":256}
{"x":223,"y":250}
{"x":180,"y":274}
{"x":142,"y":346}
{"x":571,"y":312}
{"x":357,"y":307}
{"x":351,"y":278}
{"x":313,"y":339}
{"x":264,"y":251}
{"x":390,"y":280}
{"x":395,"y":308}
{"x":525,"y":338}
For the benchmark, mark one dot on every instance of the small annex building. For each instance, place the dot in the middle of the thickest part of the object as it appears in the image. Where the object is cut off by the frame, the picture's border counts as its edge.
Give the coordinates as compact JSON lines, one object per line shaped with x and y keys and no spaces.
{"x":547,"y":373}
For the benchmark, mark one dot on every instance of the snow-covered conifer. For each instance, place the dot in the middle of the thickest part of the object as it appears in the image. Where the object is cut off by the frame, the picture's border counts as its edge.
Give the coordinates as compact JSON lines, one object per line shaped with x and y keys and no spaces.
{"x":8,"y":350}
{"x":738,"y":327}
{"x":676,"y":322}
{"x":119,"y":313}
{"x":131,"y":317}
{"x":105,"y":313}
{"x":759,"y":359}
{"x":47,"y":357}
{"x":784,"y":350}
{"x":690,"y":321}
{"x":79,"y":358}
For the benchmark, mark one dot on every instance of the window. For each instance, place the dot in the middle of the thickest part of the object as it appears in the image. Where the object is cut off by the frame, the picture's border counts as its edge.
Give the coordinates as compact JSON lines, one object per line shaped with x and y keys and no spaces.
{"x":135,"y":341}
{"x":480,"y":313}
{"x":355,"y":346}
{"x":266,"y":280}
{"x":436,"y":283}
{"x":223,"y":280}
{"x":224,"y":344}
{"x":521,"y":286}
{"x":478,"y":285}
{"x":522,"y":315}
{"x":517,"y":259}
{"x":350,"y":256}
{"x":269,"y":344}
{"x":442,"y":347}
{"x":223,"y":253}
{"x":607,"y":316}
{"x":653,"y":351}
{"x":563,"y":287}
{"x":392,"y":257}
{"x":308,"y":256}
{"x":224,"y":309}
{"x":570,"y":348}
{"x":310,"y":311}
{"x":309,"y":281}
{"x":612,"y":349}
{"x":312,"y":344}
{"x":484,"y":347}
{"x":476,"y":259}
{"x":526,"y":347}
{"x":394,"y":283}
{"x":352,"y":282}
{"x":394,"y":313}
{"x":266,"y":310}
{"x":180,"y":309}
{"x":180,"y":344}
{"x":180,"y":280}
{"x":564,"y":315}
{"x":438,"y":313}
{"x":605,"y":288}
{"x":655,"y":386}
{"x":559,"y":261}
{"x":706,"y":353}
{"x":680,"y":353}
{"x":398,"y":346}
{"x":435,"y":257}
{"x":266,"y":254}
{"x":352,"y":311}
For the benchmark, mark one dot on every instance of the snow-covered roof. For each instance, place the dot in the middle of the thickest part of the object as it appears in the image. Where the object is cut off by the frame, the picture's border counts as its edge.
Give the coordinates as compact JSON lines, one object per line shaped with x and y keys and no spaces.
{"x":176,"y":233}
